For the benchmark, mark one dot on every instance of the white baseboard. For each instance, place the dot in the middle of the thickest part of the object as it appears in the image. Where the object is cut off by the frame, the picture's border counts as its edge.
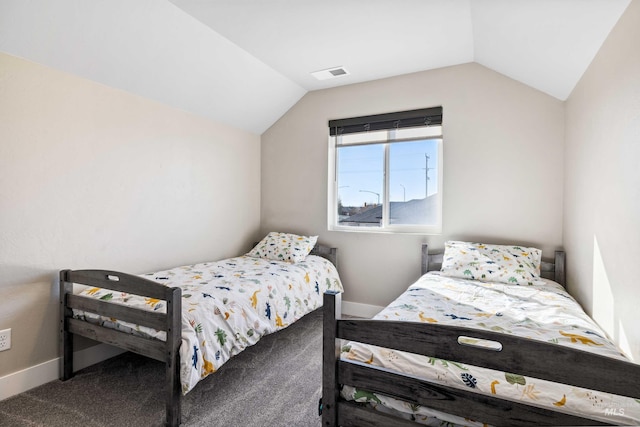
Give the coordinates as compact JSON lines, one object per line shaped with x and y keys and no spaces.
{"x":34,"y":376}
{"x":360,"y":310}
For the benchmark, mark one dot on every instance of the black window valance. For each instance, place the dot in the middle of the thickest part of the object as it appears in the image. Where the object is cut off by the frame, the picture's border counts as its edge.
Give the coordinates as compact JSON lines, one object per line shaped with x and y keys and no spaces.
{"x":402,"y":119}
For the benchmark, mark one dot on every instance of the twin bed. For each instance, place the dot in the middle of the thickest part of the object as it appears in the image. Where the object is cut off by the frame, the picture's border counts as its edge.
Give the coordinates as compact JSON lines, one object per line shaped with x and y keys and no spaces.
{"x":195,"y":318}
{"x":484,"y":338}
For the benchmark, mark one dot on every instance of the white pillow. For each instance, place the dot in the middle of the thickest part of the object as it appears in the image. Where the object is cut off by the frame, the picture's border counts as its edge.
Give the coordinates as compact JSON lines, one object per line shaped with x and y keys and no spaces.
{"x":284,"y":247}
{"x":517,"y":265}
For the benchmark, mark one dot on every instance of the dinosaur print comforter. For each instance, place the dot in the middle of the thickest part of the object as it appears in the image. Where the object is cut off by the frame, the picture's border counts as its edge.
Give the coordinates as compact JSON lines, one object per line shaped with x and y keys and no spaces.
{"x":227,"y":306}
{"x":543,"y":311}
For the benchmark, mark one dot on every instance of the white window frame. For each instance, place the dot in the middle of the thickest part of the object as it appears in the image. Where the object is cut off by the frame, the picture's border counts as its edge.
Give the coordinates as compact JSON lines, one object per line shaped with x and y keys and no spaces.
{"x":420,"y":134}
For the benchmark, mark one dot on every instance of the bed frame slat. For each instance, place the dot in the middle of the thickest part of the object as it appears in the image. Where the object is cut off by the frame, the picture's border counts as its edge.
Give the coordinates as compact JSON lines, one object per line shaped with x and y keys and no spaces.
{"x":471,"y":405}
{"x":118,"y":281}
{"x":352,"y":415}
{"x":147,"y":347}
{"x":521,"y":355}
{"x":136,"y":316}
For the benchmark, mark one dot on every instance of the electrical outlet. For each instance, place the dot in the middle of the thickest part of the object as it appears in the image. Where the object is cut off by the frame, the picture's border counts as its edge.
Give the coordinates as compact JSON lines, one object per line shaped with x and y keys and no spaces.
{"x":5,"y":339}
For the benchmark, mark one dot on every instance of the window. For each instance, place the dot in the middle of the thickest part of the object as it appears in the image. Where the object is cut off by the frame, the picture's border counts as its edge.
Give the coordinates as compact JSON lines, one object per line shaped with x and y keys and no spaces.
{"x":386,"y":172}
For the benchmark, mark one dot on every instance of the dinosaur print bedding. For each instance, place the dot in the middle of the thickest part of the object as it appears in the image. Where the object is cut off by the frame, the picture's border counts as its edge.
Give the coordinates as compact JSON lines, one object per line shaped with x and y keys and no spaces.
{"x":227,"y":306}
{"x":543,"y":311}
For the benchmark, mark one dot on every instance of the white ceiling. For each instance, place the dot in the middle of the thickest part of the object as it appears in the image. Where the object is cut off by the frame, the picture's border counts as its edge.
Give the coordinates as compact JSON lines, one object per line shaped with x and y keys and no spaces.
{"x":246,"y":62}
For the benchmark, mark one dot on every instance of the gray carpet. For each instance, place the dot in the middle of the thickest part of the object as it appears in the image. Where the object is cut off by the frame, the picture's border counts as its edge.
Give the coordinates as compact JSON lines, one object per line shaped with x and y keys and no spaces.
{"x":276,"y":382}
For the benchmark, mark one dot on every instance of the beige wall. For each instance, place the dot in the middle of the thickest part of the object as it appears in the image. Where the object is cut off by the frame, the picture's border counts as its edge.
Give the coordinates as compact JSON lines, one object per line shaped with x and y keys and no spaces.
{"x":92,"y":177}
{"x":503,"y":163}
{"x":602,"y":185}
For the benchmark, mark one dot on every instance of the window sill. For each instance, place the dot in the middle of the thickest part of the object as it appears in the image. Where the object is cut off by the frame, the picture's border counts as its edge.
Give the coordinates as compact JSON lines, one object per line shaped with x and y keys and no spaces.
{"x":433,"y":231}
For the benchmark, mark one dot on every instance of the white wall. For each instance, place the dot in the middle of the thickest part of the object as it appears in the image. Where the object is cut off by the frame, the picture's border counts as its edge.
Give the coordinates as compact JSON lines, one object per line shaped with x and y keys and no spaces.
{"x":602,"y":185}
{"x":93,"y":177}
{"x":503,"y":170}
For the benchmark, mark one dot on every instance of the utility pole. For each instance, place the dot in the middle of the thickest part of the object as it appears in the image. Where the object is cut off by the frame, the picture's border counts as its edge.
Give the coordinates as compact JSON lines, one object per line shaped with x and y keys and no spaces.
{"x":426,"y":176}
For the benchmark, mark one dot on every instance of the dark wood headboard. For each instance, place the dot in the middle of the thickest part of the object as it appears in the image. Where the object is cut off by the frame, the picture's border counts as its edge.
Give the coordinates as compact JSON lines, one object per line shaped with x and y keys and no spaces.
{"x":549,"y":270}
{"x":326,"y":252}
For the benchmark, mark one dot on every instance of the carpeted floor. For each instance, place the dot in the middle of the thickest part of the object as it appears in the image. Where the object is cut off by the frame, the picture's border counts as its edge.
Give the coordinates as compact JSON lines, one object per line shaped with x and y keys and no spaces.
{"x":276,"y":382}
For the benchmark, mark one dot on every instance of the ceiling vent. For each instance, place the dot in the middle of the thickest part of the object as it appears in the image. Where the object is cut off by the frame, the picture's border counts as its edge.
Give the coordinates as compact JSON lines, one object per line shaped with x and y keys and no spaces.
{"x":330,"y":73}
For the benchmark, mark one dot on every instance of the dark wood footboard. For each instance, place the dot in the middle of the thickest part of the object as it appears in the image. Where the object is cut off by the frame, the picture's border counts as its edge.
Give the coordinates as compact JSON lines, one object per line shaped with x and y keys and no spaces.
{"x":518,"y":355}
{"x":170,"y":322}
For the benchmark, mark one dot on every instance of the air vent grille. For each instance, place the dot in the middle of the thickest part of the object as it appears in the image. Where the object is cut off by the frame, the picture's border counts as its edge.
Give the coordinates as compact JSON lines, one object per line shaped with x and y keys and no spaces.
{"x":330,"y":73}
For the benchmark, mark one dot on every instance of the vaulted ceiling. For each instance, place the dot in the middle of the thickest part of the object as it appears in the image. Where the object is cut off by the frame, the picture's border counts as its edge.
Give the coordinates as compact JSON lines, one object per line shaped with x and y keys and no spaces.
{"x":246,"y":62}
